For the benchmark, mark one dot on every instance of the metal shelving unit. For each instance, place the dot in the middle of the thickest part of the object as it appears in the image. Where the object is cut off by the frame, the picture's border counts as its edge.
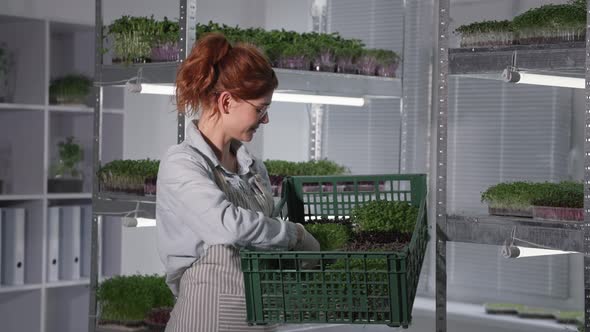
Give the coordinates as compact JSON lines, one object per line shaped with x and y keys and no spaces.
{"x":494,"y":230}
{"x":299,"y":81}
{"x":109,"y":204}
{"x":566,"y":59}
{"x":570,"y":59}
{"x":115,"y":204}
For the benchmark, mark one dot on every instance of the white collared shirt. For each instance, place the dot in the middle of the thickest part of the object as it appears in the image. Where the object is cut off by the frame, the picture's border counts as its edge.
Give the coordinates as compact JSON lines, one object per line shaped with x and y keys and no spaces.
{"x":193,"y":213}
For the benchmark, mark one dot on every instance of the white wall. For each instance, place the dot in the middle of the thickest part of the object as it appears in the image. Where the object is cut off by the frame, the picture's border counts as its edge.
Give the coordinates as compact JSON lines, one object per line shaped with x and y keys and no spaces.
{"x":75,"y":11}
{"x":576,"y":156}
{"x":245,"y":13}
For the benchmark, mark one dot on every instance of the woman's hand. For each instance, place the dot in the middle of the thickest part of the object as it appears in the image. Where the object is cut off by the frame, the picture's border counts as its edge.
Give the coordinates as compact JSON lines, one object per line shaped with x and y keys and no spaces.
{"x":305,"y":241}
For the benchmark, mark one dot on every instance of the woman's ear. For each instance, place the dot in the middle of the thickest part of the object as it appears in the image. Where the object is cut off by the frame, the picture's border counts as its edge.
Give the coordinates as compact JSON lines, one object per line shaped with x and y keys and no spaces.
{"x":224,"y":102}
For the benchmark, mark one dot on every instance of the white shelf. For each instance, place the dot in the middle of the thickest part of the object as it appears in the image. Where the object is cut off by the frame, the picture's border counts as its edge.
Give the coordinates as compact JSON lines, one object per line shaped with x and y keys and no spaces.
{"x":81,"y":109}
{"x":68,"y":283}
{"x":300,"y":81}
{"x":45,"y":50}
{"x":19,"y":288}
{"x":562,"y":59}
{"x":29,"y":107}
{"x":70,"y":196}
{"x":20,"y":197}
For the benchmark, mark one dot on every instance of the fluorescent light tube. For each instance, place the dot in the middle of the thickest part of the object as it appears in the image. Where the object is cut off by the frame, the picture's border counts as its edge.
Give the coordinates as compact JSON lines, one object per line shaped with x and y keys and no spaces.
{"x":317,"y":99}
{"x":138,"y":222}
{"x":158,"y":89}
{"x":170,"y":90}
{"x":521,"y":252}
{"x":522,"y":77}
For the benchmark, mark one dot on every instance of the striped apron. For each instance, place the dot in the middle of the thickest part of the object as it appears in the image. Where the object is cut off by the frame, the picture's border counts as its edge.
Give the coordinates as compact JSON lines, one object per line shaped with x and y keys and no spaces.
{"x":211,"y":296}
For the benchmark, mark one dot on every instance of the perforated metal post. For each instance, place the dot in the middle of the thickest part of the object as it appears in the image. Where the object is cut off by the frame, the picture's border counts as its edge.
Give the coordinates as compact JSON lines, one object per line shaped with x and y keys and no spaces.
{"x":188,"y":36}
{"x":319,"y":19}
{"x":587,"y":181}
{"x":441,"y":167}
{"x":315,"y":131}
{"x":403,"y":123}
{"x":97,"y":152}
{"x":319,"y":15}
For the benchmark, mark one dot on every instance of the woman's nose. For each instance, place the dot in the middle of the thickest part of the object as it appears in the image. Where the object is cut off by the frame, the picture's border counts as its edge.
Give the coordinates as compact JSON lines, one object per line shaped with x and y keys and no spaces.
{"x":264,"y":119}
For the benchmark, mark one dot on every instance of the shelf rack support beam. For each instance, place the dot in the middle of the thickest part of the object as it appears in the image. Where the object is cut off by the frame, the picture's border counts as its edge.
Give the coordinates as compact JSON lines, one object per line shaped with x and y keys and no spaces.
{"x":316,"y":125}
{"x":188,"y":36}
{"x":319,"y":18}
{"x":97,"y":153}
{"x":586,"y":226}
{"x":441,"y":107}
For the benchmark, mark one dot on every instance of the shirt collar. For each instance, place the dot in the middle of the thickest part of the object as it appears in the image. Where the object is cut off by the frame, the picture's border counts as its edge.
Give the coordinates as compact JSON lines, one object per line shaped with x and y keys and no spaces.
{"x":195,"y":139}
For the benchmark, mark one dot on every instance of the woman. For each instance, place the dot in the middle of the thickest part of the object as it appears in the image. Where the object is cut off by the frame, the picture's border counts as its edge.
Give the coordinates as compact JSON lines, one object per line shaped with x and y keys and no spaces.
{"x":213,"y":196}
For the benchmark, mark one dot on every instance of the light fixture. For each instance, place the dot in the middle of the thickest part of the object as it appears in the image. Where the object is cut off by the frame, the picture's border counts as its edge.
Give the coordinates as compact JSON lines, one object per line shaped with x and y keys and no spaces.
{"x":170,"y":90}
{"x":157,"y":89}
{"x":317,"y":99}
{"x":138,"y":222}
{"x":523,"y":77}
{"x":512,"y":251}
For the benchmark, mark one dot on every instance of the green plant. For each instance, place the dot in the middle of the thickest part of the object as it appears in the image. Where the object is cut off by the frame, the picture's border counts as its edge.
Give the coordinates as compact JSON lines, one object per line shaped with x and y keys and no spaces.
{"x":322,"y":167}
{"x":130,"y":298}
{"x":510,"y":195}
{"x":7,"y":63}
{"x":386,"y":57}
{"x":70,"y":154}
{"x":385,"y":216}
{"x":485,"y":26}
{"x":314,"y":167}
{"x":3,"y":60}
{"x":322,"y":43}
{"x":551,"y":16}
{"x":578,"y":4}
{"x":522,"y":195}
{"x":70,"y":89}
{"x":166,"y":31}
{"x":486,"y":33}
{"x":133,"y":38}
{"x":298,"y":48}
{"x":330,"y":236}
{"x":127,"y":175}
{"x":566,"y":21}
{"x":565,"y":194}
{"x":349,"y":49}
{"x":324,"y":49}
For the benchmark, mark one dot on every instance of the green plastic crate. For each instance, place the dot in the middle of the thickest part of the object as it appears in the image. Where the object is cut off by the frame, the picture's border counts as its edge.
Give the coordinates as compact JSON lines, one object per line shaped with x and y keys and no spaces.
{"x":363,"y":287}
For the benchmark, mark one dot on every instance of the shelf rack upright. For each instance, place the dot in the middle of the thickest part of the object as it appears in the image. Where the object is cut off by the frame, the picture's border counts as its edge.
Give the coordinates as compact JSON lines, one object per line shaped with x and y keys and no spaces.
{"x":571,"y":60}
{"x":109,"y":204}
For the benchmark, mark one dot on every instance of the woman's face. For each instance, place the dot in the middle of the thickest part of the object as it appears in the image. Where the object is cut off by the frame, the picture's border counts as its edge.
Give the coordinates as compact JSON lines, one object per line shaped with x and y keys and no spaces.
{"x":246,"y":116}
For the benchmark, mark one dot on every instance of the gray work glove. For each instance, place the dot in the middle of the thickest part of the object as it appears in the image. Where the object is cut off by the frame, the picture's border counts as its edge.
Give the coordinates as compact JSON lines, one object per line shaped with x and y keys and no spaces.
{"x":306,"y":242}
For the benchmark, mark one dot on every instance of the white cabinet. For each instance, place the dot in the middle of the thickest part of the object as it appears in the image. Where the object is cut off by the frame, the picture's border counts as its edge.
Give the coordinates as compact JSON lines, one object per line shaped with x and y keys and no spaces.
{"x":30,"y":130}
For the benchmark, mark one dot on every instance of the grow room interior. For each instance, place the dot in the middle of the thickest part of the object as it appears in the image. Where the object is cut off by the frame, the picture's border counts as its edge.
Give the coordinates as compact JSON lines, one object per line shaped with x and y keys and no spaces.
{"x":468,"y":113}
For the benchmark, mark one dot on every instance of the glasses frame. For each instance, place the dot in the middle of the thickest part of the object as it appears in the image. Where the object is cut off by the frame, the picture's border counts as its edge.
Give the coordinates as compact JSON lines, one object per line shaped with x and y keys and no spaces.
{"x":261,"y":111}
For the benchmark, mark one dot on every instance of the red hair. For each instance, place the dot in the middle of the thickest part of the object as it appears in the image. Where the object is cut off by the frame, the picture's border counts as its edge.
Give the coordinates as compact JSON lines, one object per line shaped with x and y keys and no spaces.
{"x":214,"y":66}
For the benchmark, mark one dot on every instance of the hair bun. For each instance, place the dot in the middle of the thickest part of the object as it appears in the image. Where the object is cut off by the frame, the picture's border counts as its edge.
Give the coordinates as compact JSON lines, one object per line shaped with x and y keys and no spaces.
{"x":215,"y":45}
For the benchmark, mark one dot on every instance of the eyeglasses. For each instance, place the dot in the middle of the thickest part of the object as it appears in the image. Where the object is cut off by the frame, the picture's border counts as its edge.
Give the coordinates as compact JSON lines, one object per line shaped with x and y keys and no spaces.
{"x":261,"y":111}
